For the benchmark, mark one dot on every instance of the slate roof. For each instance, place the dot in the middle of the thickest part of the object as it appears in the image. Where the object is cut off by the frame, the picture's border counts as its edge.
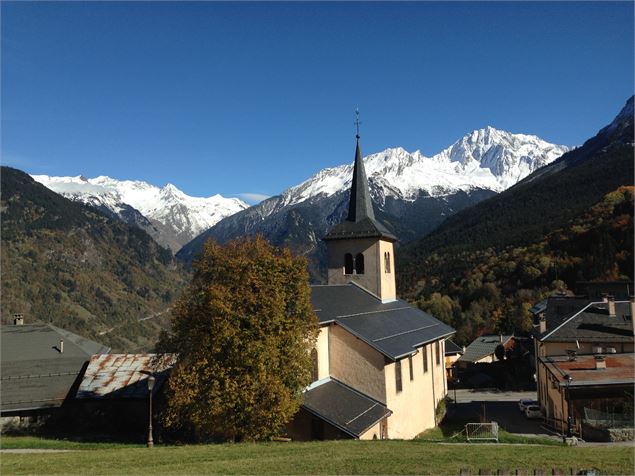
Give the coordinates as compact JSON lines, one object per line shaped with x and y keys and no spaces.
{"x":451,"y":348}
{"x":35,"y":374}
{"x":395,"y":329}
{"x":343,"y":407}
{"x":361,"y":221}
{"x":620,"y":370}
{"x":592,"y":323}
{"x":124,"y":375}
{"x":482,"y":347}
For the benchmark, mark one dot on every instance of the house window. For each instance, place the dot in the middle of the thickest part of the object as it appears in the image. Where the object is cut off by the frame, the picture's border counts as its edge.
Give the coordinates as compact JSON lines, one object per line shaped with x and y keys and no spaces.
{"x":315,"y":366}
{"x":425,"y":358}
{"x":387,"y":262}
{"x":398,"y":375}
{"x":359,"y":263}
{"x":348,"y":263}
{"x":437,"y":353}
{"x":412,"y":376}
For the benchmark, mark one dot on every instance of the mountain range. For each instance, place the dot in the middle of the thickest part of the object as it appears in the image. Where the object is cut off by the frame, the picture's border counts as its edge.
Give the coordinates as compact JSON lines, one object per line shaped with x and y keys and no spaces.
{"x":167,"y":214}
{"x":412,"y":193}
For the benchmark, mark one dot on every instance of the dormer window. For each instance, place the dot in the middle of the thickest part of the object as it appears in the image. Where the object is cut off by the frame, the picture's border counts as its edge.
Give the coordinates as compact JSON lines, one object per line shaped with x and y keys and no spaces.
{"x":359,"y":263}
{"x":348,"y":263}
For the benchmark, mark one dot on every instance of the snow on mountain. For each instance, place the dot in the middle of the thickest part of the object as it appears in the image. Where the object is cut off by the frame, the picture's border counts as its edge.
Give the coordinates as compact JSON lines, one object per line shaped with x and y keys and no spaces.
{"x":178,"y":217}
{"x":483,"y":159}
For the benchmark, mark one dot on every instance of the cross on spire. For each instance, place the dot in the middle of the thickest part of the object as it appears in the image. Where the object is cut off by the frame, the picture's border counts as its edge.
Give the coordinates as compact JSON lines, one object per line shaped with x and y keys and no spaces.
{"x":357,"y":121}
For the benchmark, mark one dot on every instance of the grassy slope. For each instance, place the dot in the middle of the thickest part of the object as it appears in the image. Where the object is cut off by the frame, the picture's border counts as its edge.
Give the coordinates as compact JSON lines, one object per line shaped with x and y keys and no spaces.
{"x":333,"y":457}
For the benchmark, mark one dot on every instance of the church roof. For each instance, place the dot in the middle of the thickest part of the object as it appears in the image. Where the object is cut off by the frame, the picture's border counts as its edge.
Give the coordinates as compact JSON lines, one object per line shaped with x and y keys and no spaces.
{"x":360,"y":221}
{"x":343,"y":407}
{"x":395,"y":328}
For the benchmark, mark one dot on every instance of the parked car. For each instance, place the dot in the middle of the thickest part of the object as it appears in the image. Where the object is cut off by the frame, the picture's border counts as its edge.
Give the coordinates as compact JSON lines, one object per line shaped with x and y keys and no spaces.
{"x":524,"y":403}
{"x":533,"y":411}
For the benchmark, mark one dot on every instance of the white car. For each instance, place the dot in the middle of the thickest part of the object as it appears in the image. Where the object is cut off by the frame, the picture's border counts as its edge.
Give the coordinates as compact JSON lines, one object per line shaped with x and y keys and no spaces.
{"x":533,"y":411}
{"x":524,"y":403}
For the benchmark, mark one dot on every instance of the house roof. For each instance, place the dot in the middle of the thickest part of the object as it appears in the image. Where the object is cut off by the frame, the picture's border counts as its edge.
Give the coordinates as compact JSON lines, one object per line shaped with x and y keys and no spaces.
{"x":360,"y":221}
{"x":451,"y":348}
{"x":395,"y":328}
{"x":620,"y":370}
{"x":539,"y":307}
{"x":343,"y":407}
{"x":592,"y":323}
{"x":35,"y":374}
{"x":482,"y":347}
{"x":124,"y":375}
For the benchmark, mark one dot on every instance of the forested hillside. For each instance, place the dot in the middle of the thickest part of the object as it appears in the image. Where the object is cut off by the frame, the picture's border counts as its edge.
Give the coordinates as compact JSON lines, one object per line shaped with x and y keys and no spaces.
{"x":67,"y":263}
{"x":484,"y":267}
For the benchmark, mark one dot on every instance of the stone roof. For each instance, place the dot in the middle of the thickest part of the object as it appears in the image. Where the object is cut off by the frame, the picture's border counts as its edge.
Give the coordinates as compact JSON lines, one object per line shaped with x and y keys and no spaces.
{"x":35,"y":374}
{"x":482,"y":347}
{"x":343,"y":407}
{"x":395,"y":328}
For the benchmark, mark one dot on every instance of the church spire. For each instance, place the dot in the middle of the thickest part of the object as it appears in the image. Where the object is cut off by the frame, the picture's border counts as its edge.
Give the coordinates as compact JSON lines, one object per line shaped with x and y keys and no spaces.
{"x":360,"y":205}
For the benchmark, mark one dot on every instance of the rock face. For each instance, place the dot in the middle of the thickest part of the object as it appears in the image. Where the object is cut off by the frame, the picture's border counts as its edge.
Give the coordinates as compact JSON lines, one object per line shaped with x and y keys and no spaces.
{"x":170,"y":216}
{"x":412,"y":193}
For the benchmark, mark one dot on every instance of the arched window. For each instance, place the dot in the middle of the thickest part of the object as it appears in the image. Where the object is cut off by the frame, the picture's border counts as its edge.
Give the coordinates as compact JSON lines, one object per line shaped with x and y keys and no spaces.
{"x":387,"y":262}
{"x":359,"y":263}
{"x":315,"y":367}
{"x":348,"y":263}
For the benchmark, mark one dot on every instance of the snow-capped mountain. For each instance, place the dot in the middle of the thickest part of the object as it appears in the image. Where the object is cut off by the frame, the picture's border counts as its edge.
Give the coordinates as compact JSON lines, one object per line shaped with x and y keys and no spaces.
{"x":169,"y":215}
{"x":486,"y":159}
{"x":412,"y":193}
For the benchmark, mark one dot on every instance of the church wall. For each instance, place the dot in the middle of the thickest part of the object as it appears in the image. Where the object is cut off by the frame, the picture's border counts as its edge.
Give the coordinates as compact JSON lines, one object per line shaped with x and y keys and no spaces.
{"x":388,"y":291}
{"x":355,"y":363}
{"x":322,"y":347}
{"x":369,"y":247}
{"x":414,"y":407}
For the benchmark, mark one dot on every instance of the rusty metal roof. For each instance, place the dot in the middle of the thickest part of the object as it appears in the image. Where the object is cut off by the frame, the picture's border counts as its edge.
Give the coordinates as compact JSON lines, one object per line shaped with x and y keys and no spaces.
{"x":124,"y":375}
{"x":620,"y":369}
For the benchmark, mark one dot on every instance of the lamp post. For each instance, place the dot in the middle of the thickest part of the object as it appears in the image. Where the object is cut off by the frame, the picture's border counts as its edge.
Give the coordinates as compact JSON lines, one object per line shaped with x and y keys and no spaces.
{"x":456,"y":382}
{"x":151,"y":380}
{"x":569,"y":416}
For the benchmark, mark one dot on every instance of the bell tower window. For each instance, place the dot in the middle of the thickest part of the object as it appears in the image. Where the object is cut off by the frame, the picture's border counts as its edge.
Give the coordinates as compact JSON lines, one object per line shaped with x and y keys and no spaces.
{"x":359,"y":263}
{"x":348,"y":263}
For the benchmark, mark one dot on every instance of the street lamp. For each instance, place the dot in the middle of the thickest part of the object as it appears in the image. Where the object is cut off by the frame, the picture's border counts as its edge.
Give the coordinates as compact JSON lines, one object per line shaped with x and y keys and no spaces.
{"x":456,"y":382}
{"x":569,"y":416}
{"x":151,"y":381}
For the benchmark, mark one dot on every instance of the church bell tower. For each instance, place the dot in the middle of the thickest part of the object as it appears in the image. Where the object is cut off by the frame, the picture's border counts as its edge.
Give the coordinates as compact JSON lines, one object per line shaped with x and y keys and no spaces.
{"x":360,"y":248}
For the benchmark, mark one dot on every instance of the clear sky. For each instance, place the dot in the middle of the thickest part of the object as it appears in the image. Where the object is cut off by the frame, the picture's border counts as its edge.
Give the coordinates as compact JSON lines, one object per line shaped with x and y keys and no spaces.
{"x":244,"y":97}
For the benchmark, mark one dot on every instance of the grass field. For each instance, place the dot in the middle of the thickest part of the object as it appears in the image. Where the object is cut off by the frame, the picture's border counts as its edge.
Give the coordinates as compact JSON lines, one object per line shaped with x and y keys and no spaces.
{"x":331,"y":457}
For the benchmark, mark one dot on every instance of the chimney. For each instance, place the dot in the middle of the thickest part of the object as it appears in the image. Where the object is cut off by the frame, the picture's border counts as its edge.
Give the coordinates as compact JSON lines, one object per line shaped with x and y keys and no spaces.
{"x":611,"y":301}
{"x":61,"y":347}
{"x":18,"y":319}
{"x":542,"y":323}
{"x":600,"y":362}
{"x":500,"y":338}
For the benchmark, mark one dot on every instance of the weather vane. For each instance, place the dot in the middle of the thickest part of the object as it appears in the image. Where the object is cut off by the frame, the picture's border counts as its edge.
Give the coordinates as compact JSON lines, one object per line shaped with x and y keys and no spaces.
{"x":357,"y":121}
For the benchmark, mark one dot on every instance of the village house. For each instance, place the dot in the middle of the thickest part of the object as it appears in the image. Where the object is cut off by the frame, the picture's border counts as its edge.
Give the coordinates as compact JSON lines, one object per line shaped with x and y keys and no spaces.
{"x":584,"y":361}
{"x":379,"y":368}
{"x":482,"y":350}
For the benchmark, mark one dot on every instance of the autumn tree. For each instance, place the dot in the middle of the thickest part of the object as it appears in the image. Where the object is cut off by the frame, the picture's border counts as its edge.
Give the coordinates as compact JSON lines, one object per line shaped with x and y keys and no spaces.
{"x":243,"y":330}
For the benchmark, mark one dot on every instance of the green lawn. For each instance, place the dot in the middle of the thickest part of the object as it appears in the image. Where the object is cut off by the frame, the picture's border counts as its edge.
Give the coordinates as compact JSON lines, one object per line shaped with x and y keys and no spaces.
{"x":332,"y":457}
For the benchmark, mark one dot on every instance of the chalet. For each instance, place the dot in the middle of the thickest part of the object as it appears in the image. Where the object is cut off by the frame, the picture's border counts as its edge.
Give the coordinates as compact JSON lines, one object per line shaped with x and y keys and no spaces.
{"x":584,"y":359}
{"x":41,"y":366}
{"x":379,"y":362}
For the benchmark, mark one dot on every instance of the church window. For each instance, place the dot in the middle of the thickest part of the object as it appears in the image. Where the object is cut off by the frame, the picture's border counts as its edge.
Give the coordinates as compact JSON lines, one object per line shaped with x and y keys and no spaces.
{"x":437,"y":353}
{"x":359,"y":263}
{"x":348,"y":263}
{"x":425,"y":358}
{"x":398,"y":375}
{"x":315,"y":367}
{"x":412,"y":376}
{"x":387,"y":262}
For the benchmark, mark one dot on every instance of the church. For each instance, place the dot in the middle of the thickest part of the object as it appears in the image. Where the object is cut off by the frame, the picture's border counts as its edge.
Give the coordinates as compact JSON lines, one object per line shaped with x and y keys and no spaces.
{"x":378,"y":365}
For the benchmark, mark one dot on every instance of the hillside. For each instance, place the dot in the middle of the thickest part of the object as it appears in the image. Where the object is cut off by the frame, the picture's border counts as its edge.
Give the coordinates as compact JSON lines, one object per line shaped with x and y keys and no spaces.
{"x":67,"y":263}
{"x":412,"y":193}
{"x":486,"y":266}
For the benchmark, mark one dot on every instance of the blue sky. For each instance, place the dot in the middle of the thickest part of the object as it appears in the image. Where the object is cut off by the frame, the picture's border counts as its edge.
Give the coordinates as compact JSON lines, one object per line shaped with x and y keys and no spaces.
{"x":244,"y":97}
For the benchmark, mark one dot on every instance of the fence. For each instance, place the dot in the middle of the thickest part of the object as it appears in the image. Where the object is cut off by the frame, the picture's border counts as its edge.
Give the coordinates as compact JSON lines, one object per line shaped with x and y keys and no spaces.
{"x":482,"y":431}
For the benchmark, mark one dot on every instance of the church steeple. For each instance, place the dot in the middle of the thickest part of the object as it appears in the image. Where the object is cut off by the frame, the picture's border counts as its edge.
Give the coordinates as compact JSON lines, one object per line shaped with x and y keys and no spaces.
{"x":360,"y":248}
